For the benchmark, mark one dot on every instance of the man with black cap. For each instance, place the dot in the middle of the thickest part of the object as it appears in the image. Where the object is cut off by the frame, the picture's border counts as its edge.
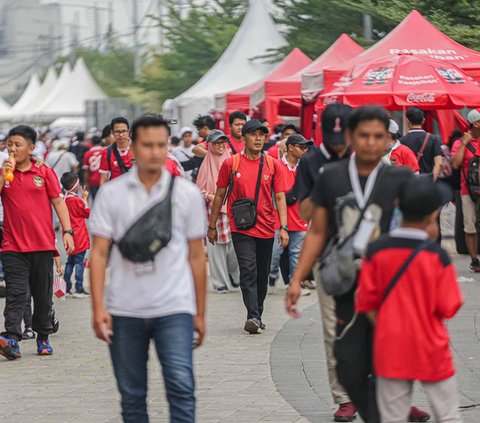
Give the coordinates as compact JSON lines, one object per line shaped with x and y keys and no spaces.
{"x":287,"y":130}
{"x":251,"y":179}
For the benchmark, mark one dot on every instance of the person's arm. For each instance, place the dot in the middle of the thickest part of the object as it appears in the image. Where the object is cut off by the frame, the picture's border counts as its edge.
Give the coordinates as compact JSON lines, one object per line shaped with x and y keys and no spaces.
{"x":437,"y":167}
{"x":58,"y":265}
{"x":75,"y":168}
{"x":198,"y":263}
{"x":212,"y":234}
{"x":102,"y":321}
{"x":86,"y":176}
{"x":7,"y":165}
{"x":283,"y":237}
{"x":312,"y":247}
{"x":200,"y":151}
{"x":306,"y":209}
{"x":191,"y":164}
{"x":372,"y":316}
{"x":62,"y":213}
{"x":103,"y":178}
{"x":458,"y":150}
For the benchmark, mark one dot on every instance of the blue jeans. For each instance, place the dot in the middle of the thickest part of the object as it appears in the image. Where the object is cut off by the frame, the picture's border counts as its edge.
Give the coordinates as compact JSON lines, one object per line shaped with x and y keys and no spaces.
{"x":173,"y":337}
{"x":294,"y":248}
{"x":76,"y":261}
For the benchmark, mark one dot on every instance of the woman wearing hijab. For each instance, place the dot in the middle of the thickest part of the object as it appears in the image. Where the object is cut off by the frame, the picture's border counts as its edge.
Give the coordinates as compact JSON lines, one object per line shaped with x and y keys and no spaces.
{"x":224,"y":272}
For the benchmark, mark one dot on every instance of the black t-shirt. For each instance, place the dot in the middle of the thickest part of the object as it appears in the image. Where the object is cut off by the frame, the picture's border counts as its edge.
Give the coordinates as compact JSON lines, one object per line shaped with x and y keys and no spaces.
{"x":414,"y":140}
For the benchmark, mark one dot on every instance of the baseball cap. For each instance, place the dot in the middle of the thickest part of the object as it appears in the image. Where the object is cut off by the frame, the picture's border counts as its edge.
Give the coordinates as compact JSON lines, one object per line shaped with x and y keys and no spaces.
{"x":334,"y":123}
{"x":185,"y":130}
{"x":252,"y":126}
{"x":215,"y":135}
{"x":393,"y":127}
{"x":473,"y":116}
{"x":298,"y":139}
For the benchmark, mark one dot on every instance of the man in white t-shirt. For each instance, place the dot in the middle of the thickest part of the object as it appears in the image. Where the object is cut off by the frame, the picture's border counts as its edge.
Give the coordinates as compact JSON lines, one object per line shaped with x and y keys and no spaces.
{"x":62,"y":161}
{"x":163,"y":300}
{"x":184,"y":151}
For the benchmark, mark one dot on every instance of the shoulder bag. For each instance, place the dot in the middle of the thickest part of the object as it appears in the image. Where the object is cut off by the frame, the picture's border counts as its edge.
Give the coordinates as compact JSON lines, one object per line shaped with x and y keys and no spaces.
{"x":118,"y":157}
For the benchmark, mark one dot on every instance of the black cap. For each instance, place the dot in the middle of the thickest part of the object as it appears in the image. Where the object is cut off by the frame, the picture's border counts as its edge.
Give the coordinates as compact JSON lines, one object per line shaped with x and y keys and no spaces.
{"x":298,"y":139}
{"x":252,"y":126}
{"x":290,"y":126}
{"x":215,"y":135}
{"x":334,"y":123}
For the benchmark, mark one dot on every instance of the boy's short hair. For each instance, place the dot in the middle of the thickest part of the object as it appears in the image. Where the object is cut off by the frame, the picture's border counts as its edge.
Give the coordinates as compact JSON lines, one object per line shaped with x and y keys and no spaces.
{"x":24,"y":131}
{"x":68,"y":180}
{"x":368,"y":113}
{"x":206,"y":120}
{"x":415,"y":115}
{"x":237,"y":115}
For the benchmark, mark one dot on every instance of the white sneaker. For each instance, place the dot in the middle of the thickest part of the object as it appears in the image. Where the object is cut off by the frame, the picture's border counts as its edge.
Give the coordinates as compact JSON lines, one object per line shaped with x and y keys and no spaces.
{"x":272,"y":289}
{"x":310,"y":284}
{"x":81,"y":294}
{"x":304,"y":292}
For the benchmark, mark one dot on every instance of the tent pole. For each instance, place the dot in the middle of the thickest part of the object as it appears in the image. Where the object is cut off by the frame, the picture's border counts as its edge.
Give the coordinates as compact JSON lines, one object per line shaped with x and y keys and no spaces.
{"x":404,"y":120}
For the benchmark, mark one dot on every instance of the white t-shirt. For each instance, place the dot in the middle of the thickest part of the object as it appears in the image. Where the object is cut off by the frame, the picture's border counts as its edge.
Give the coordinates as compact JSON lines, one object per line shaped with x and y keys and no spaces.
{"x":168,"y":287}
{"x":63,"y":161}
{"x":183,"y":154}
{"x":40,"y":150}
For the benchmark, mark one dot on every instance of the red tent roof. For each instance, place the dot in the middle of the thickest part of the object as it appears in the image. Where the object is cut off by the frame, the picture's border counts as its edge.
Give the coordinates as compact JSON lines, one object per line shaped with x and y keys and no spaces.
{"x":240,"y":99}
{"x":417,"y":36}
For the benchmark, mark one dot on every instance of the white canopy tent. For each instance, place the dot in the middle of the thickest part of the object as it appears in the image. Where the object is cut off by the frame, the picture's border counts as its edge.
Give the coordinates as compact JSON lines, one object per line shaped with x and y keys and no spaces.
{"x":4,"y":107}
{"x":33,"y":87}
{"x":235,"y":69}
{"x":56,"y":90}
{"x":46,"y":88}
{"x":78,"y":122}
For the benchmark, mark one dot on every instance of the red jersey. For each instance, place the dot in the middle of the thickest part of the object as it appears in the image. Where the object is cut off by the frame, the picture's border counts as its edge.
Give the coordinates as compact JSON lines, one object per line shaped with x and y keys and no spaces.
{"x":295,"y":224}
{"x":28,"y":220}
{"x":239,"y":146}
{"x":113,"y":167}
{"x":245,"y":184}
{"x":171,"y":166}
{"x":91,"y":162}
{"x":78,"y":211}
{"x":402,"y":156}
{"x":413,"y":313}
{"x":273,"y":151}
{"x":467,"y":156}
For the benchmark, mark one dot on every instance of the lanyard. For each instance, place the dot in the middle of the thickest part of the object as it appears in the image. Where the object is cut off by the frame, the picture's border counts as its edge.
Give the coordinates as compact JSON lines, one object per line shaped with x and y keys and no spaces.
{"x":360,"y":196}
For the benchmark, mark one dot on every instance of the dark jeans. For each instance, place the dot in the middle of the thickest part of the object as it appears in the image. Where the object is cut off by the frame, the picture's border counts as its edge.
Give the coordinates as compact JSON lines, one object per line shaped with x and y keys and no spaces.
{"x":254,"y":256}
{"x":354,"y":361}
{"x":24,"y":270}
{"x":27,"y":313}
{"x":173,"y":337}
{"x":93,"y":191}
{"x":76,"y":261}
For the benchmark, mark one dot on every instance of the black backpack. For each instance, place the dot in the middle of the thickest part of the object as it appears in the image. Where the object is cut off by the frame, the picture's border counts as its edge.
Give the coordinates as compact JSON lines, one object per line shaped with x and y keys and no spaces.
{"x":471,"y":178}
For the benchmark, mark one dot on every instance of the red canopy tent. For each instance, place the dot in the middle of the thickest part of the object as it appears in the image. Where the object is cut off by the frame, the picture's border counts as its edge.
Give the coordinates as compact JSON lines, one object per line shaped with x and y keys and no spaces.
{"x":240,"y":99}
{"x":283,"y":96}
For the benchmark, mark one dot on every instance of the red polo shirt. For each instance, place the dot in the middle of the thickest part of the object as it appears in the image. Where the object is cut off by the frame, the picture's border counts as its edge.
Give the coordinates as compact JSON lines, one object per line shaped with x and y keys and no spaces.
{"x":28,"y":220}
{"x":114,"y":167}
{"x":92,"y":161}
{"x":78,"y":211}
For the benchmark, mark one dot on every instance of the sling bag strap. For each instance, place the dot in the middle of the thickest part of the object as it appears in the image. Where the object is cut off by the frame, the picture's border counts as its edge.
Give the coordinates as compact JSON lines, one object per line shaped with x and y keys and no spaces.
{"x":60,"y":158}
{"x":231,"y":146}
{"x":118,"y":157}
{"x":422,"y":246}
{"x":259,"y":180}
{"x":471,"y":148}
{"x":420,"y":153}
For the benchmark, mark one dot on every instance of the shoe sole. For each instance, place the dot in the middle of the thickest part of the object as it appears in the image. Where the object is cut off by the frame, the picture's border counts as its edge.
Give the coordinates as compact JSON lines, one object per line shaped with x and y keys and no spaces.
{"x":44,"y":353}
{"x":6,"y":351}
{"x":252,"y":328}
{"x":344,"y":419}
{"x":419,"y":419}
{"x":221,"y":292}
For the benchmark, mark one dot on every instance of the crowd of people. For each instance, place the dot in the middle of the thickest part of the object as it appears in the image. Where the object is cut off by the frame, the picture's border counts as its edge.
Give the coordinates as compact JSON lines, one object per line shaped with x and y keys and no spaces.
{"x":356,"y":219}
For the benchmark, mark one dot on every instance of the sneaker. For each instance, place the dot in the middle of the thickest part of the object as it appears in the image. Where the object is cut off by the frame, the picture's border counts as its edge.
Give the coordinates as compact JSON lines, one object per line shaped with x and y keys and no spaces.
{"x":55,"y":321}
{"x":272,"y":285}
{"x":475,"y":266}
{"x":417,"y":415}
{"x":253,"y":326}
{"x":309,"y":284}
{"x":28,"y":334}
{"x":263,"y":326}
{"x":9,"y":348}
{"x":345,"y":413}
{"x":222,"y":290}
{"x":69,"y":294}
{"x":234,"y":284}
{"x":44,"y":347}
{"x":303,"y":293}
{"x":81,"y":294}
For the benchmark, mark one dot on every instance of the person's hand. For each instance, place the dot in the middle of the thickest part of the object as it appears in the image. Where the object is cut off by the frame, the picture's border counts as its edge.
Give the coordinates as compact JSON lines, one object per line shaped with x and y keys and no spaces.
{"x":68,"y":243}
{"x":281,"y":148}
{"x":283,"y":239}
{"x":102,"y":325}
{"x":212,"y":235}
{"x":292,"y":297}
{"x":7,"y":165}
{"x":199,"y":325}
{"x":467,"y":138}
{"x":85,"y":193}
{"x":60,"y":271}
{"x":210,"y":197}
{"x":38,"y":162}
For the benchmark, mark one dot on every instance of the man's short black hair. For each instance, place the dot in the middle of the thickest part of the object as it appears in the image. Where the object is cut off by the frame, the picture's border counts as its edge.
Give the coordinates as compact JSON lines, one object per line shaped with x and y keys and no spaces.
{"x":278,"y":129}
{"x":175,"y":141}
{"x":24,"y":131}
{"x":368,"y":113}
{"x":68,"y":180}
{"x":237,"y":115}
{"x":146,"y":121}
{"x":80,"y":136}
{"x":119,"y":120}
{"x":206,"y":120}
{"x":107,"y":131}
{"x":415,"y":115}
{"x":419,"y":198}
{"x":290,"y":126}
{"x":262,"y":120}
{"x":96,"y":140}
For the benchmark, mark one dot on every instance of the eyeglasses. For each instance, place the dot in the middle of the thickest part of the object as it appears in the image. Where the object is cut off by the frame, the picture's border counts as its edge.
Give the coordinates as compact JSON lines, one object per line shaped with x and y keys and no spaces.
{"x":301,"y":147}
{"x":122,"y":132}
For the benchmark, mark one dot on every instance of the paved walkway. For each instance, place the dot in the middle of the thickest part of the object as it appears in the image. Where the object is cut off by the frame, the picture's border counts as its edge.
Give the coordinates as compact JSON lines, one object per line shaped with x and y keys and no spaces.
{"x":279,"y":376}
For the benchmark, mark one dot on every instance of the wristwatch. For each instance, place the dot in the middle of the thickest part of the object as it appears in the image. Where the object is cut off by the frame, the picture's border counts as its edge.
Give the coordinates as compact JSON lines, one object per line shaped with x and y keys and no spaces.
{"x":284,"y":227}
{"x":68,"y":232}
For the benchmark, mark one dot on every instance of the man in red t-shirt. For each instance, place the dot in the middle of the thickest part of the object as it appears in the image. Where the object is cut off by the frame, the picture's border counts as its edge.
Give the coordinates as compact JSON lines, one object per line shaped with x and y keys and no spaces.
{"x":253,"y":244}
{"x":91,"y":166}
{"x":400,"y":155}
{"x":287,"y":130}
{"x":29,"y":240}
{"x":463,"y":151}
{"x":120,"y":130}
{"x":297,"y":146}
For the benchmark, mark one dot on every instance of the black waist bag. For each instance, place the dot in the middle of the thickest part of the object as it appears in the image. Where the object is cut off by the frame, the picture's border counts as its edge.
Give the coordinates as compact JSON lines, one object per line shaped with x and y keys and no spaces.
{"x":150,"y":233}
{"x":245,"y":209}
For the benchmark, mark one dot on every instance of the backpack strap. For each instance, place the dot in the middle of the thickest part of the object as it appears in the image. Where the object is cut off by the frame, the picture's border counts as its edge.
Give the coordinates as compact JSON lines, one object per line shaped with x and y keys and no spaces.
{"x":270,"y":164}
{"x":235,"y":166}
{"x":470,"y":147}
{"x":420,"y":153}
{"x":109,"y":157}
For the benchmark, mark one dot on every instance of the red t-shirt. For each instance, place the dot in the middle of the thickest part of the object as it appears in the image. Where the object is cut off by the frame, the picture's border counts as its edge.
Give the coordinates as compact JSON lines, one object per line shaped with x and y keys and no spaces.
{"x":171,"y":166}
{"x":273,"y":151}
{"x":468,"y":155}
{"x":239,"y":146}
{"x":403,"y":156}
{"x":295,"y":224}
{"x":245,"y":184}
{"x":411,"y":340}
{"x":28,"y":220}
{"x":91,"y":161}
{"x":79,"y":211}
{"x":105,"y":168}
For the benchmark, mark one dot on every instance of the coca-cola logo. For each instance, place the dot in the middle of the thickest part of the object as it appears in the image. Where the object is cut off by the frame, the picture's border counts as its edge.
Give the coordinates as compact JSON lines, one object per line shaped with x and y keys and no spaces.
{"x":378,"y":76}
{"x":330,"y":100}
{"x":421,"y":98}
{"x":452,"y":76}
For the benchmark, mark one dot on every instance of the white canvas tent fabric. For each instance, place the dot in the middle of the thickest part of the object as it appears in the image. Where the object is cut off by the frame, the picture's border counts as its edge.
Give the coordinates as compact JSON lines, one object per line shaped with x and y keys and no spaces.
{"x":70,"y":100}
{"x":46,"y":88}
{"x":57,"y":89}
{"x":4,"y":107}
{"x":234,"y":69}
{"x":33,"y":87}
{"x":78,"y":122}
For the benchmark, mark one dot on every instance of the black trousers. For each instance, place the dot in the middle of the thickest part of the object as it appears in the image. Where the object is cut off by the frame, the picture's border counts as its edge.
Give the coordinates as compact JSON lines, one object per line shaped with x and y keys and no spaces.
{"x":24,"y":270}
{"x":254,"y":256}
{"x":354,"y":361}
{"x":93,"y":191}
{"x":27,"y":313}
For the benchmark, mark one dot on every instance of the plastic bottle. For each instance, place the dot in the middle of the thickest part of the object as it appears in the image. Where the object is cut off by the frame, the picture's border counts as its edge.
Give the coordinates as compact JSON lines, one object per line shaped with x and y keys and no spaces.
{"x":9,"y":173}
